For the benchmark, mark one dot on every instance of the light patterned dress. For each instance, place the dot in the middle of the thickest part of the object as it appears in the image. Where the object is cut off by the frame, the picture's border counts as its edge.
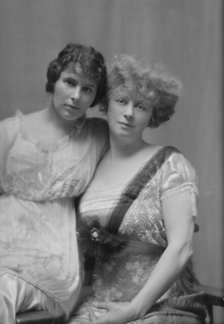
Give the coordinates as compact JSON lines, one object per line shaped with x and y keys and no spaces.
{"x":122,"y":275}
{"x":37,"y":218}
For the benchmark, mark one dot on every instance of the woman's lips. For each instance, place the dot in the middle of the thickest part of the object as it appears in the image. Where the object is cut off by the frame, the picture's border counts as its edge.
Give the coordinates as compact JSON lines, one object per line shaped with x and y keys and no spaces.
{"x":126,"y":124}
{"x":71,"y":107}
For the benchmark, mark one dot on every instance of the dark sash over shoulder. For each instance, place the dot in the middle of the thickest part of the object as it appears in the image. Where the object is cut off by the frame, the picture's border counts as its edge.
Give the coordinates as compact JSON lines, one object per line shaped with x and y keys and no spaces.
{"x":132,"y":191}
{"x":103,"y":242}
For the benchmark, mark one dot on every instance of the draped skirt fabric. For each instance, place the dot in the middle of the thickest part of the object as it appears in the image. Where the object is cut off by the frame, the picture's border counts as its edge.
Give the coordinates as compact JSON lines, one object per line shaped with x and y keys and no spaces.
{"x":162,"y":317}
{"x":178,"y":310}
{"x":16,"y":295}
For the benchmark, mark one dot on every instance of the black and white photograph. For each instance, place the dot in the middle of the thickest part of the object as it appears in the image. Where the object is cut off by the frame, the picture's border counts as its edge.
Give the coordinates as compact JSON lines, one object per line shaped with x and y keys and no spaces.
{"x":111,"y":162}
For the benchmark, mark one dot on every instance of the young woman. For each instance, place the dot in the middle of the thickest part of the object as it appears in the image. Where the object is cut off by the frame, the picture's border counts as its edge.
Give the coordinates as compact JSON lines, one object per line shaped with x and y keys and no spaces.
{"x":47,"y":158}
{"x":138,"y":212}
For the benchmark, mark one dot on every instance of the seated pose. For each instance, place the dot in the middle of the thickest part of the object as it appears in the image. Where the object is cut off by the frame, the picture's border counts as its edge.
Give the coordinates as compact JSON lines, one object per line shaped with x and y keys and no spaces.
{"x":46,"y":159}
{"x":137,"y":215}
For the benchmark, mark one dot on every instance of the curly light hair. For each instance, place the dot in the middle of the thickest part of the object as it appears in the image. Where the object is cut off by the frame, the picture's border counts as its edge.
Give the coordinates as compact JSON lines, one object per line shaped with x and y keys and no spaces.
{"x":156,"y":85}
{"x":91,"y":62}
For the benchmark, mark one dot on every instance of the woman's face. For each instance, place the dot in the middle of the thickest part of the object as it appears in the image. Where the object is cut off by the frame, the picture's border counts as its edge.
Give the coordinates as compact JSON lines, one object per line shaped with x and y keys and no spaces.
{"x":73,"y":94}
{"x":128,"y":113}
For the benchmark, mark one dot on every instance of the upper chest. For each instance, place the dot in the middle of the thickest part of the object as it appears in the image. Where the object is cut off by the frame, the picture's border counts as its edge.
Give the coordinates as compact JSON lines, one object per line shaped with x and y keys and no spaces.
{"x":119,"y":172}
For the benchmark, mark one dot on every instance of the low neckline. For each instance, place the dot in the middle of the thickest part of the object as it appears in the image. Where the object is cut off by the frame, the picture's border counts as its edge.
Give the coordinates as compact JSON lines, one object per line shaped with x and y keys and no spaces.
{"x":123,"y":187}
{"x":60,"y":144}
{"x":138,"y":170}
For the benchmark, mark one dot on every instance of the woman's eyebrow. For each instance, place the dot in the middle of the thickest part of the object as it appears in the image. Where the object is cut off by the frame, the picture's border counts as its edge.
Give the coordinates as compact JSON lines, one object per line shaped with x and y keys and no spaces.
{"x":92,"y":85}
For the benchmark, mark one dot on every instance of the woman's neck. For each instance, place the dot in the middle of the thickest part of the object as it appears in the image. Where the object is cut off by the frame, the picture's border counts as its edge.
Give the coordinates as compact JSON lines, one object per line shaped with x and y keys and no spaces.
{"x":54,"y":119}
{"x":125,"y":149}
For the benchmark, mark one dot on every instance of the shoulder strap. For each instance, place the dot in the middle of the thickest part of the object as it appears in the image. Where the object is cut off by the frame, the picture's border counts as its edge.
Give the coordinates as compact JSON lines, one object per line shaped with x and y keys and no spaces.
{"x":133,"y":189}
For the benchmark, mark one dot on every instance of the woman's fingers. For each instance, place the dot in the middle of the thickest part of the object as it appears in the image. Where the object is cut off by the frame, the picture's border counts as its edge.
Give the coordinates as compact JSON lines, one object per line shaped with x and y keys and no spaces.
{"x":109,"y":305}
{"x":92,"y":315}
{"x":103,"y":305}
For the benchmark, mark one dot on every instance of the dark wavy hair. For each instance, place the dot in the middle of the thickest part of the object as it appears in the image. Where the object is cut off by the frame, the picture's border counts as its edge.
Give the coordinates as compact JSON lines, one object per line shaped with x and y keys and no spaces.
{"x":159,"y":88}
{"x":91,"y":62}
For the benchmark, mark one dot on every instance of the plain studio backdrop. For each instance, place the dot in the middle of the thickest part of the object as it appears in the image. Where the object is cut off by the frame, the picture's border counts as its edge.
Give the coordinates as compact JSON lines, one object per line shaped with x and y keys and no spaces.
{"x":184,"y":35}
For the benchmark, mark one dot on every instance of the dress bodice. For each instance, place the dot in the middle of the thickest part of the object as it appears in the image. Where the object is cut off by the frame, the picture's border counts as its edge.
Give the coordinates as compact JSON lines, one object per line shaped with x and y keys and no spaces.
{"x":34,"y":173}
{"x":175,"y":176}
{"x":123,"y":275}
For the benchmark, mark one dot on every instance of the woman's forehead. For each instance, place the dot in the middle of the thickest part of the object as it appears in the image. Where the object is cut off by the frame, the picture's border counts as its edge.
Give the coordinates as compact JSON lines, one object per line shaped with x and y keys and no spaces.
{"x":76,"y":70}
{"x":129,"y":90}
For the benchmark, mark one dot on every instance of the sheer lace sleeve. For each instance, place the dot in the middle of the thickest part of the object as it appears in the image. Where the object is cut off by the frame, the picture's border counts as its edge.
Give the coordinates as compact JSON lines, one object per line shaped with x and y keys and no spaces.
{"x":8,"y":131}
{"x":178,"y":177}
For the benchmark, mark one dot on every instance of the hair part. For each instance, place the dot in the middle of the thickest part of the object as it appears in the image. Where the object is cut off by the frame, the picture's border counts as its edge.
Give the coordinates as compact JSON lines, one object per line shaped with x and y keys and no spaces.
{"x":155,"y":84}
{"x":88,"y":59}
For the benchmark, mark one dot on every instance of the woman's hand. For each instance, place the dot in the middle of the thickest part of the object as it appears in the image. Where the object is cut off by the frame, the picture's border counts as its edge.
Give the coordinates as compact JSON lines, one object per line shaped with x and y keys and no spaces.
{"x":119,"y":313}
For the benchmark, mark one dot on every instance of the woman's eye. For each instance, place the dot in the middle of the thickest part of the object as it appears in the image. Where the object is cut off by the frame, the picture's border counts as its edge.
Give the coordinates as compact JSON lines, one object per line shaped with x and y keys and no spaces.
{"x":88,"y":89}
{"x":140,"y":107}
{"x":121,"y":101}
{"x":71,"y":82}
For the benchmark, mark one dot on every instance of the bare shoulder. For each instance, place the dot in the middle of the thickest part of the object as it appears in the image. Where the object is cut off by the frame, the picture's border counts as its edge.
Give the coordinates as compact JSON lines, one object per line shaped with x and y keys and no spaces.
{"x":33,"y":117}
{"x":35,"y":123}
{"x":150,"y":150}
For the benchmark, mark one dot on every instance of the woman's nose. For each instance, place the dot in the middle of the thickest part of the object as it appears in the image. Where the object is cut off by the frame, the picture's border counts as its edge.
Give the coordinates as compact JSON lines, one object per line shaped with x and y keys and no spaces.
{"x":129,"y":111}
{"x":75,"y":95}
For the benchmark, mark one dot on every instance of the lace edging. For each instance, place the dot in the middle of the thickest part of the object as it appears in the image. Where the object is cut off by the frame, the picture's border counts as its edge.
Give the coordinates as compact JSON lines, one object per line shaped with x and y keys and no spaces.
{"x":61,"y":142}
{"x":186,"y":187}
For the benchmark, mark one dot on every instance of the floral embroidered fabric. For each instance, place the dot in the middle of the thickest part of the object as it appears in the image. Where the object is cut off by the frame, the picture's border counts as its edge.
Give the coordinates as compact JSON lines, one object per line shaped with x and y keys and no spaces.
{"x":122,"y":276}
{"x":37,"y":224}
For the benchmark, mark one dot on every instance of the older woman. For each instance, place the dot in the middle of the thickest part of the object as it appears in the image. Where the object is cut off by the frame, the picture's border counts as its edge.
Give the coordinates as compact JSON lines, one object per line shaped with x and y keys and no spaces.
{"x":138,"y":212}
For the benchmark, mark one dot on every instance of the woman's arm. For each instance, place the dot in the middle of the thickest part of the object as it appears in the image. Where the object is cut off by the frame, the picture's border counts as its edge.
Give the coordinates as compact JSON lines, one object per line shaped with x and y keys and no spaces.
{"x":8,"y":131}
{"x":179,"y":225}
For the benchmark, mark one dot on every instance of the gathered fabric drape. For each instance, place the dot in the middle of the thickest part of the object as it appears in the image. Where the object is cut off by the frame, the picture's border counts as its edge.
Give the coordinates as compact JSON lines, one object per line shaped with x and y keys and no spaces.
{"x":186,"y":36}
